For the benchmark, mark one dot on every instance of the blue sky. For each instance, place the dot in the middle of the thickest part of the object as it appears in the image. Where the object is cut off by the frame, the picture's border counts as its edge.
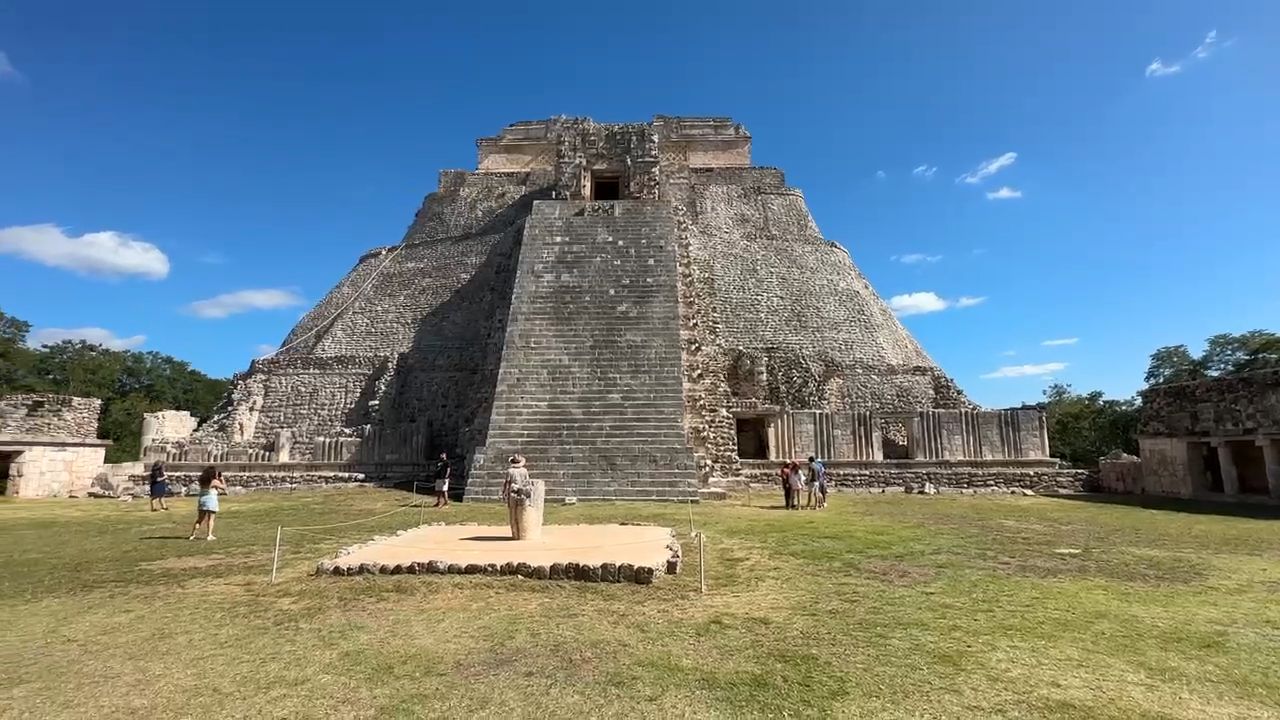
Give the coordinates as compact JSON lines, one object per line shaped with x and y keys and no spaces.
{"x":201,"y":152}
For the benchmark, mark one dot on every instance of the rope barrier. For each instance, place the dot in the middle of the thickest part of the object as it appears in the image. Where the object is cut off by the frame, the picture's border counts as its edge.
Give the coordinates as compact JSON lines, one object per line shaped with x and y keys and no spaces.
{"x":342,"y":309}
{"x":352,"y":522}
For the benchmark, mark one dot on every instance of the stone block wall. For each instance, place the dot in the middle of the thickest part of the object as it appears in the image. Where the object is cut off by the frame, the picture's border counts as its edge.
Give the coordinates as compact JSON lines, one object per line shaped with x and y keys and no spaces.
{"x":167,"y":426}
{"x":43,"y":415}
{"x":1242,"y":405}
{"x":54,"y":470}
{"x":1120,"y":473}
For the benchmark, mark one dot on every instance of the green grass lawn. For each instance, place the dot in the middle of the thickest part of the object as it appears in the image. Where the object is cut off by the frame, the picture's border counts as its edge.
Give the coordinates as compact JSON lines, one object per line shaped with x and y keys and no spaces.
{"x":880,"y":606}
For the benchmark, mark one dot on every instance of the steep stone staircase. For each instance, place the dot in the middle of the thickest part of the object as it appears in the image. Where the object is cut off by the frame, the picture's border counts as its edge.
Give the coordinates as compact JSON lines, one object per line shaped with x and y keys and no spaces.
{"x":590,"y":388}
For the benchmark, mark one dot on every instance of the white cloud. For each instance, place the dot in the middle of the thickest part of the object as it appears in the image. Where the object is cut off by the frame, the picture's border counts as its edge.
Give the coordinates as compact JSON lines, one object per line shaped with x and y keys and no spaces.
{"x":243,"y":301}
{"x":1210,"y":44}
{"x":1009,"y":371}
{"x":880,"y":175}
{"x":92,"y":335}
{"x":987,"y":168}
{"x":1009,"y":353}
{"x":1005,"y":193}
{"x":915,"y":258}
{"x":1060,"y":341}
{"x":264,"y":349}
{"x":917,"y":303}
{"x":7,"y":70}
{"x":925,"y":171}
{"x":107,"y":253}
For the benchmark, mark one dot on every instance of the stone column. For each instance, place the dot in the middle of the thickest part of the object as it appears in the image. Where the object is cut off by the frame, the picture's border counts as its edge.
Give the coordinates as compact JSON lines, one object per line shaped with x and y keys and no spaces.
{"x":915,"y":439}
{"x":1227,"y":462}
{"x":1271,"y":454}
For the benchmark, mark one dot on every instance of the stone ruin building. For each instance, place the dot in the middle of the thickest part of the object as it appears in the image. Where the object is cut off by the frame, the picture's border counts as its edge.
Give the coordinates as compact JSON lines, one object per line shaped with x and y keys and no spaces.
{"x":49,"y":445}
{"x":634,"y":307}
{"x":1216,"y":439}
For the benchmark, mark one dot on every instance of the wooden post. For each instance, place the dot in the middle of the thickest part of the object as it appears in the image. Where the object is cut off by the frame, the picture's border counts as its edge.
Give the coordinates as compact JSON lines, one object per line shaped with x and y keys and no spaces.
{"x":690,"y":503}
{"x":702,"y":565}
{"x":275,"y":559}
{"x":422,"y":504}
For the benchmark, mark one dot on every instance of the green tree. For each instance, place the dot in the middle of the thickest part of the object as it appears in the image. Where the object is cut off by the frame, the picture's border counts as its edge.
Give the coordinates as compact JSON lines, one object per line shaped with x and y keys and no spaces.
{"x":1232,"y":354}
{"x":16,"y":359}
{"x":1173,"y":363}
{"x":1084,"y":427}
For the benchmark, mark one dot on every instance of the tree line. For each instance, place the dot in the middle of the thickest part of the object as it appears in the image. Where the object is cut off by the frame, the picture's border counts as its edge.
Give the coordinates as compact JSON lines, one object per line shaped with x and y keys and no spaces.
{"x":128,"y":382}
{"x":1085,"y":426}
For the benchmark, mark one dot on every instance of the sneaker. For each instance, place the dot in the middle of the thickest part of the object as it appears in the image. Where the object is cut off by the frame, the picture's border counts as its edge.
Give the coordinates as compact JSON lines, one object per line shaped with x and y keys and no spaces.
{"x":211,"y":538}
{"x":193,"y":537}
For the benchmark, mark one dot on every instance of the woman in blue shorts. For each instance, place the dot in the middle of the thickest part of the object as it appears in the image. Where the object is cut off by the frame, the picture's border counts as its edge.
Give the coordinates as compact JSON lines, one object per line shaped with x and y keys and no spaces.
{"x":207,"y":505}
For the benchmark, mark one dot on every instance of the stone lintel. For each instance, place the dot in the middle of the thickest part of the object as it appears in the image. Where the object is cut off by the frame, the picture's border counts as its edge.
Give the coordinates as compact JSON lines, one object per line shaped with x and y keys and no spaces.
{"x":50,"y":441}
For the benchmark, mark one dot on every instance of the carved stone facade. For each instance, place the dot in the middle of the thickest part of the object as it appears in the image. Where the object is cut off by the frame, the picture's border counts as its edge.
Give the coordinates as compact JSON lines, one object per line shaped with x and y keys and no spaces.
{"x":606,"y":299}
{"x":49,"y":445}
{"x":1217,"y":438}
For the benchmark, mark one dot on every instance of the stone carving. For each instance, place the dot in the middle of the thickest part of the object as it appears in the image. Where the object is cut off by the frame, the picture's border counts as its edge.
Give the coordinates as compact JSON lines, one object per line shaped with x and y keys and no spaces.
{"x":525,"y":497}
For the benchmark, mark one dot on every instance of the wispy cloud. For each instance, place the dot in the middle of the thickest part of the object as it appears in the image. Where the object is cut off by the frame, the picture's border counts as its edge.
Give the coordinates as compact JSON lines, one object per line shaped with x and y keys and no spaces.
{"x":7,"y":70}
{"x":920,"y":303}
{"x":107,"y":253}
{"x":1210,"y":44}
{"x":1010,"y":371}
{"x":1060,"y":341}
{"x":925,"y":171}
{"x":264,"y":349}
{"x":916,"y":258}
{"x":243,"y":301}
{"x":91,"y":335}
{"x":987,"y":168}
{"x":880,"y":175}
{"x":1005,"y":193}
{"x":1009,"y":353}
{"x":213,"y":258}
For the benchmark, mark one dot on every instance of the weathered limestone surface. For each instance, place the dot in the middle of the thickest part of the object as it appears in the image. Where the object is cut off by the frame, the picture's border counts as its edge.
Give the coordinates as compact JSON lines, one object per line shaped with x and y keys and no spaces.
{"x":1244,"y":405}
{"x":48,"y":444}
{"x":607,"y":299}
{"x":44,"y":415}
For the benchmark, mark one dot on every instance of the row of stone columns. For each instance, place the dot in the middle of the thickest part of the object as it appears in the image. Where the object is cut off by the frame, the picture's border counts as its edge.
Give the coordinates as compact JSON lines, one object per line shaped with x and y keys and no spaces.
{"x":1230,"y":475}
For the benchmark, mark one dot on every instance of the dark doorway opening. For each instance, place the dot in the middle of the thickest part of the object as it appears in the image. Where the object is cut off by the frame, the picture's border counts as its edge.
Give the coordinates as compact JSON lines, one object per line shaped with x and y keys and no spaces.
{"x":1212,"y":468}
{"x":6,"y":464}
{"x":606,"y":188}
{"x":753,"y":439}
{"x":1251,"y":467}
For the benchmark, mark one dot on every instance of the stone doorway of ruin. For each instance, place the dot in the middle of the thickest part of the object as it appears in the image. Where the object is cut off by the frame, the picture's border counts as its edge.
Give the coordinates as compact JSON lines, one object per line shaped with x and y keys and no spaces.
{"x":753,"y":438}
{"x":8,"y":460}
{"x":1251,"y":467}
{"x":606,"y":187}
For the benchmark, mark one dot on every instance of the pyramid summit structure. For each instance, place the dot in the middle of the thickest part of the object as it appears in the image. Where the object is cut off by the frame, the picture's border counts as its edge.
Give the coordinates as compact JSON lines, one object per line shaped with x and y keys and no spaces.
{"x":635,"y":308}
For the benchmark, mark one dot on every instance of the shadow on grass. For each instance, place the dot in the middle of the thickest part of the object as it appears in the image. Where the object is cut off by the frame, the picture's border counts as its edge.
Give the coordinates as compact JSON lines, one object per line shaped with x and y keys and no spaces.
{"x":163,"y":537}
{"x":490,"y":538}
{"x":1196,"y":507}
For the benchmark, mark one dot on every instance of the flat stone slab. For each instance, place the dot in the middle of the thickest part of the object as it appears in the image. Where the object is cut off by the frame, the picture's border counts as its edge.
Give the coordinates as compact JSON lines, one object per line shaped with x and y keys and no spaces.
{"x":592,"y":553}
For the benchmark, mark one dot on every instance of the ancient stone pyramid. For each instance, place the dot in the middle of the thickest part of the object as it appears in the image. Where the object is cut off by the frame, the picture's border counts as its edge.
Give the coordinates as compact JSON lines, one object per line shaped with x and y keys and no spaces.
{"x":609,"y":300}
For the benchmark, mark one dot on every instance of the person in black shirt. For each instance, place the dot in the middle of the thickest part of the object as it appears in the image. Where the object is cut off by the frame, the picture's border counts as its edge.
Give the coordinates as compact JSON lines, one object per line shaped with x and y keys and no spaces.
{"x":443,"y":469}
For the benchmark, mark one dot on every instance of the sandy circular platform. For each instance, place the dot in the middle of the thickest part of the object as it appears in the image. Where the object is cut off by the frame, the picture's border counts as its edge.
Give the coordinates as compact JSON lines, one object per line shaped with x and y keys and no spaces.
{"x":606,"y":553}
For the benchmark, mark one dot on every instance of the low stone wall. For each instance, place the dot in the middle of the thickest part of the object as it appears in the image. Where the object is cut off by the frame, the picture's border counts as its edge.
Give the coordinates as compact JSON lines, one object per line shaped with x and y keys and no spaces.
{"x":1120,"y":473}
{"x":51,"y":469}
{"x":975,"y":479}
{"x":186,"y":483}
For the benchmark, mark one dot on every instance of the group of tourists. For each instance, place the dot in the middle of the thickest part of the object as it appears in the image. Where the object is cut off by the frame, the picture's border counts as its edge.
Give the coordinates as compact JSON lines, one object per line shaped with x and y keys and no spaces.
{"x":797,"y":477}
{"x":210,"y":482}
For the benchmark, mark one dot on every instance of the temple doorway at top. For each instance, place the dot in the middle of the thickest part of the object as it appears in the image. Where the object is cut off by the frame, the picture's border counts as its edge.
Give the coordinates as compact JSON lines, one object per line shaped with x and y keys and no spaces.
{"x":753,"y":438}
{"x":606,"y":187}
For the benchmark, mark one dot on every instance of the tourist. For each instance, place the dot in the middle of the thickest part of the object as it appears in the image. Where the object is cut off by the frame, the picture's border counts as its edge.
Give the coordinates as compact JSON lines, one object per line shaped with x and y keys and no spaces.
{"x":443,"y":469}
{"x":159,"y":485}
{"x":796,"y":482}
{"x":818,"y":476}
{"x":784,"y":474}
{"x":207,"y":506}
